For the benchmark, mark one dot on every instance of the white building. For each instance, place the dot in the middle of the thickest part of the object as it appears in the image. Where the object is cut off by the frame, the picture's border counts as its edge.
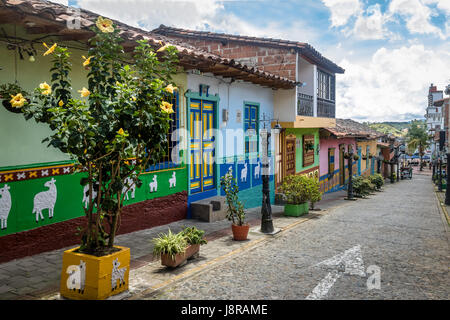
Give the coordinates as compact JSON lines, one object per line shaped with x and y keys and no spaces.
{"x":434,"y":116}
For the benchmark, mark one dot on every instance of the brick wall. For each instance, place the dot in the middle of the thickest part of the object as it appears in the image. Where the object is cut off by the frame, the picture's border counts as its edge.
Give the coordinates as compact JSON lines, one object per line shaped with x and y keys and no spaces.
{"x":278,"y":61}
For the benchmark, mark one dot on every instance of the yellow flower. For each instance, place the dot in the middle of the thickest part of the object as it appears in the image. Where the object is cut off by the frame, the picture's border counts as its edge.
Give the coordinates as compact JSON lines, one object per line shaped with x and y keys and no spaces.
{"x":105,"y":25}
{"x":170,"y":88}
{"x":133,"y":98}
{"x":167,"y":107}
{"x":60,"y":103}
{"x":84,"y":92}
{"x":121,"y":132}
{"x":49,"y":50}
{"x":45,"y":88}
{"x":164,"y":47}
{"x":17,"y":101}
{"x":87,"y":61}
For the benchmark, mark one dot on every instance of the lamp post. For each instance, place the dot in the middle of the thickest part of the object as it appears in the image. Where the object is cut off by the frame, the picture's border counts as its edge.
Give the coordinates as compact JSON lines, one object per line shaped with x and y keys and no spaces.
{"x":440,"y":172}
{"x":266,"y":208}
{"x":350,"y":175}
{"x":397,"y":160}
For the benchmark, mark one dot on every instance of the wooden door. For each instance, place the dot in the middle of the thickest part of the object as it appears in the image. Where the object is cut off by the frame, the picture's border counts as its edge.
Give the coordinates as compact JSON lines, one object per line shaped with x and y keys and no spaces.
{"x":290,"y":155}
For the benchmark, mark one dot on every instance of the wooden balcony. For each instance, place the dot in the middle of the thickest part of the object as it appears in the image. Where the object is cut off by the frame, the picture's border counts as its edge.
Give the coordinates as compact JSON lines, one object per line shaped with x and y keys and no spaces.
{"x":305,"y":106}
{"x":326,"y":108}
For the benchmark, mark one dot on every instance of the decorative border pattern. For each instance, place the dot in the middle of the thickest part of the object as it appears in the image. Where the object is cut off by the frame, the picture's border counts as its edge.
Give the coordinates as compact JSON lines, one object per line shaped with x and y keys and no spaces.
{"x":35,"y":173}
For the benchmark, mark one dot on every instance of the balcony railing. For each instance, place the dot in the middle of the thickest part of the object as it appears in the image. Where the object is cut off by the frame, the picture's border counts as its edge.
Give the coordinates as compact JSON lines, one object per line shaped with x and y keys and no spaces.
{"x":305,"y":106}
{"x":326,"y":108}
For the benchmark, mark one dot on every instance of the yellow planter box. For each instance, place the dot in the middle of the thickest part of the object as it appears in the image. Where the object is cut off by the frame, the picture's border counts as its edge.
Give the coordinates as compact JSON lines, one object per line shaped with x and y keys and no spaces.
{"x":87,"y":277}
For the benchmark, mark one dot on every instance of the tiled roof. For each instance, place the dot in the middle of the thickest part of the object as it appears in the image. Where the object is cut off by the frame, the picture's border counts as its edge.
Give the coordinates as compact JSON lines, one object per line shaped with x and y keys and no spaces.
{"x":45,"y":17}
{"x":302,"y":47}
{"x":347,"y":128}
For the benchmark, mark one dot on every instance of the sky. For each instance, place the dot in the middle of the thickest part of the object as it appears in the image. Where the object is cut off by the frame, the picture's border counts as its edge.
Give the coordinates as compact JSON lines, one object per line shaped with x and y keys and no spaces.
{"x":391,"y":50}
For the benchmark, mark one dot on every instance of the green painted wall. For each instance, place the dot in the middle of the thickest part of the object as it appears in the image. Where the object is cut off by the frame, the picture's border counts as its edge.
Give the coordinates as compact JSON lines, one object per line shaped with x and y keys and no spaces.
{"x":21,"y":140}
{"x":299,"y":133}
{"x":22,"y":147}
{"x":69,"y":197}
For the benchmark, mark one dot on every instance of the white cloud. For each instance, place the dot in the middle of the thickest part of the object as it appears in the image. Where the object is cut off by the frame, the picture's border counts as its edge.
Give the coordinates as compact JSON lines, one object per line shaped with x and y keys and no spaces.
{"x":392,"y":85}
{"x":417,"y":16}
{"x":149,"y":14}
{"x":372,"y":25}
{"x":342,"y":10}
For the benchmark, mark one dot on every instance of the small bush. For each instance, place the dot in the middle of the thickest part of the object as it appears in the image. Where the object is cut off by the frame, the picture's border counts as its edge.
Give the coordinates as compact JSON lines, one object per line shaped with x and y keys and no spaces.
{"x":295,"y":189}
{"x":362,"y":186}
{"x":193,"y":235}
{"x":377,"y":180}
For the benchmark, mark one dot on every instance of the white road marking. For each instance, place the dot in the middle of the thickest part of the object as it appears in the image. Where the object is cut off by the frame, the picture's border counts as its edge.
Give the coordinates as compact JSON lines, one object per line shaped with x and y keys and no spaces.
{"x":348,"y":262}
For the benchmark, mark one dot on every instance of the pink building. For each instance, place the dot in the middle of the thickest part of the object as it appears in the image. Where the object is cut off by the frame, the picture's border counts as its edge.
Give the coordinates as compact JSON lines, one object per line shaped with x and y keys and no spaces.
{"x":334,"y":142}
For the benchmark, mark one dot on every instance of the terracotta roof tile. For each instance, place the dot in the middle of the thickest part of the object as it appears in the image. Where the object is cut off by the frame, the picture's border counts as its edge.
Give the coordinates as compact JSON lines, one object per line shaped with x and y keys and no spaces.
{"x":304,"y":48}
{"x":58,"y":15}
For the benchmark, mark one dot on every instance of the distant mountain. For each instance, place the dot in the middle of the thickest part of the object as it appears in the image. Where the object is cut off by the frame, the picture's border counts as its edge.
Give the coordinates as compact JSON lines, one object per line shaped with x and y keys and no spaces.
{"x":398,"y":129}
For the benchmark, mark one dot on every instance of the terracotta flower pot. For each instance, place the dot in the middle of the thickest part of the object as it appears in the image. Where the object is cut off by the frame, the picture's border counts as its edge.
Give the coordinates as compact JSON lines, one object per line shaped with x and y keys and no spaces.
{"x":191,"y":252}
{"x":240,"y":233}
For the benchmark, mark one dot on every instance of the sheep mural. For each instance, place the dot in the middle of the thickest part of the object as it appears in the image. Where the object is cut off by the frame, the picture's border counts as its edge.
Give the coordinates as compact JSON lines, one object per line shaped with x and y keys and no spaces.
{"x":173,"y":180}
{"x":5,"y":206}
{"x":117,"y":274}
{"x":154,"y":184}
{"x":86,"y":196}
{"x":244,"y":173}
{"x":257,"y":170}
{"x":45,"y":200}
{"x":130,"y":185}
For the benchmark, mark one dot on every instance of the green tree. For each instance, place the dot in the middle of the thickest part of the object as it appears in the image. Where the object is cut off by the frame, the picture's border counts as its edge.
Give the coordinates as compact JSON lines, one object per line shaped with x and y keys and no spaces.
{"x":117,"y":128}
{"x":417,"y":139}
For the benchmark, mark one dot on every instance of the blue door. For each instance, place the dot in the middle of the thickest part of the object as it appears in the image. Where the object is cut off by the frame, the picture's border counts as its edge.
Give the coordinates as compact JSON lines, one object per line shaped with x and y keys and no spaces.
{"x":202,"y":165}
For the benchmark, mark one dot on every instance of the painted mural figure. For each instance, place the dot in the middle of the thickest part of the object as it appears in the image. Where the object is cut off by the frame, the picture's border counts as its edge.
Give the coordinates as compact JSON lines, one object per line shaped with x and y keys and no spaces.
{"x":117,"y":274}
{"x":173,"y":180}
{"x":77,"y":277}
{"x":244,"y":173}
{"x":86,"y":196}
{"x":45,"y":200}
{"x":154,"y":184}
{"x":258,"y":170}
{"x":129,"y":183}
{"x":5,"y":205}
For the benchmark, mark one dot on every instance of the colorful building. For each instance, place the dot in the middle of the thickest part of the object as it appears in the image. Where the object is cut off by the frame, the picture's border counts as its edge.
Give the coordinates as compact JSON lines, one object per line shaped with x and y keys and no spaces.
{"x":214,"y":93}
{"x":300,"y":111}
{"x":335,"y":142}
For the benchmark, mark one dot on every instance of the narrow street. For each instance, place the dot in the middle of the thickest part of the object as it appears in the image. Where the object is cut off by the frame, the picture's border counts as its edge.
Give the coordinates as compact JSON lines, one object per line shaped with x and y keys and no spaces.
{"x":397,"y":237}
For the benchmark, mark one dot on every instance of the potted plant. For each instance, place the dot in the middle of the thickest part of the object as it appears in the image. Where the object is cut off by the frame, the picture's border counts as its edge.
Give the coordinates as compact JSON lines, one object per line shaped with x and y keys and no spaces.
{"x":314,"y":192}
{"x":122,"y":114}
{"x":295,"y":189}
{"x":171,"y":248}
{"x":377,"y":180}
{"x":235,"y":209}
{"x":195,"y":238}
{"x":13,"y":97}
{"x":362,"y":186}
{"x":355,"y":157}
{"x":346,"y":155}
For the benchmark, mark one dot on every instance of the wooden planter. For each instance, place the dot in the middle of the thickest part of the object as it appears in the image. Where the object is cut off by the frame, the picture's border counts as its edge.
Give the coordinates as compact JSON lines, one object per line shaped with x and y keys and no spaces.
{"x":296,"y":210}
{"x":192,"y":251}
{"x":87,"y":277}
{"x":240,"y":233}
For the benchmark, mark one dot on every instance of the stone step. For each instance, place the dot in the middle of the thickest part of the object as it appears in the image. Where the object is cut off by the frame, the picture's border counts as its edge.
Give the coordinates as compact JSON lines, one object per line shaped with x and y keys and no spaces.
{"x":210,"y":209}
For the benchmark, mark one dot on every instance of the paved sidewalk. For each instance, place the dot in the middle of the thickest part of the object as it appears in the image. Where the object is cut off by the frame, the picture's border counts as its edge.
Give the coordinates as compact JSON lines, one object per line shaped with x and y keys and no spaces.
{"x":38,"y":276}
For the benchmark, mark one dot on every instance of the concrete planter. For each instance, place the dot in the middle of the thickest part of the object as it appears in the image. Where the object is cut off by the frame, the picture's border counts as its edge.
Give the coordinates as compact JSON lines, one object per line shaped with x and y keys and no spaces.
{"x":296,"y":210}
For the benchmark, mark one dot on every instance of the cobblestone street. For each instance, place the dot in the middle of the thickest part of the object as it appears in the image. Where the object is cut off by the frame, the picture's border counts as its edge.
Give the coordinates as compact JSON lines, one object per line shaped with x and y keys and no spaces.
{"x":401,"y":232}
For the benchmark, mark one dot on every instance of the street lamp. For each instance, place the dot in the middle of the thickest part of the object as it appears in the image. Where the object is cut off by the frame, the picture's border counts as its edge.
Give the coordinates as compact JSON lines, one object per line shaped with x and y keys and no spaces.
{"x":266,"y":209}
{"x":350,"y":174}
